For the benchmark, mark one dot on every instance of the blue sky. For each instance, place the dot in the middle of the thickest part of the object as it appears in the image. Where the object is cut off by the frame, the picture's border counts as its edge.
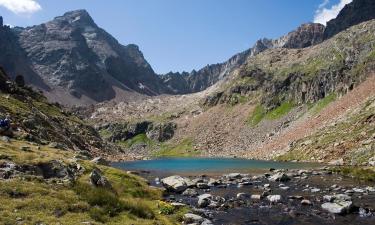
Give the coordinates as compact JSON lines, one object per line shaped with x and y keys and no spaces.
{"x":181,"y":35}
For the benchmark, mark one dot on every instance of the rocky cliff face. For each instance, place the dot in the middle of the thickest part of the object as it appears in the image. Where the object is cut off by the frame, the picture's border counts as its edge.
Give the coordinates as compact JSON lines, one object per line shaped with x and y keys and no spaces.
{"x":72,"y":54}
{"x":354,"y":13}
{"x":304,"y":36}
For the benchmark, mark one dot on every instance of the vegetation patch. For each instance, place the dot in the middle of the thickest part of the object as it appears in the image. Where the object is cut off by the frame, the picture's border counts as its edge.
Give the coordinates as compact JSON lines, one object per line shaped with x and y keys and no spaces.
{"x":138,"y":139}
{"x":36,"y":200}
{"x":323,"y":103}
{"x":280,"y":111}
{"x":356,"y":172}
{"x":257,"y":115}
{"x":182,"y":149}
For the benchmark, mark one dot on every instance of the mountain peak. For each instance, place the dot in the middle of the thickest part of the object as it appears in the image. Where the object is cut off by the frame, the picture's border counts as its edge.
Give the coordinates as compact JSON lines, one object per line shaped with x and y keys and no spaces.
{"x":76,"y":17}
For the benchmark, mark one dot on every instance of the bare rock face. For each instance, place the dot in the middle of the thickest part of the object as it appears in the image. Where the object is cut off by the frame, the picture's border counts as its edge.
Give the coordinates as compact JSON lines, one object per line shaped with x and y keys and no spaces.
{"x":352,"y":14}
{"x":304,"y":36}
{"x":72,"y":54}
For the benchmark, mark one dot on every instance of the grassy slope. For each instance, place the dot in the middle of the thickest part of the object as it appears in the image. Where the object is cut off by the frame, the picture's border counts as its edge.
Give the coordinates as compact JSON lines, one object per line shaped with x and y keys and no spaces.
{"x":36,"y":200}
{"x":260,"y":113}
{"x":181,"y":149}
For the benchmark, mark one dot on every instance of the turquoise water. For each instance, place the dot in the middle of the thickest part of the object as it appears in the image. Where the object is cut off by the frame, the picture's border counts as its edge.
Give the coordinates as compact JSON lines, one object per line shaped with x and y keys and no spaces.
{"x":206,"y":165}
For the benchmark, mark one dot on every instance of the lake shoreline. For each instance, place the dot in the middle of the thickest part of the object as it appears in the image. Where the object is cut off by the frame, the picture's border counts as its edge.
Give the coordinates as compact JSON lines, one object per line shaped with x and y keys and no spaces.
{"x":292,"y":196}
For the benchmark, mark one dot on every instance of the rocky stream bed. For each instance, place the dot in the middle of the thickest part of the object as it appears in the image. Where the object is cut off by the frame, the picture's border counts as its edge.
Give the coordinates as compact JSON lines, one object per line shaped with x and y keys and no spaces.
{"x":314,"y":196}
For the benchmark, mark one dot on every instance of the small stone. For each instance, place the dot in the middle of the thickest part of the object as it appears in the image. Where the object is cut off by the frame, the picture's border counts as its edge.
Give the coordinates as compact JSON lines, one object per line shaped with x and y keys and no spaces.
{"x":284,"y":188}
{"x":314,"y":190}
{"x":202,"y":186}
{"x":274,"y":198}
{"x":25,"y":148}
{"x":282,"y":177}
{"x":306,"y":202}
{"x":255,"y":197}
{"x":242,"y":196}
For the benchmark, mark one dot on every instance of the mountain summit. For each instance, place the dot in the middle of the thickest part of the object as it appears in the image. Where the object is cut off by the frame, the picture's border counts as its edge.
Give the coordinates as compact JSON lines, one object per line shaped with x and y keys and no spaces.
{"x":82,"y":64}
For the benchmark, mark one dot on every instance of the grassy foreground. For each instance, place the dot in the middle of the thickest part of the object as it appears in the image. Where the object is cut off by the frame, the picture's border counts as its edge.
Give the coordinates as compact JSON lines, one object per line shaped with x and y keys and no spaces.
{"x":30,"y":199}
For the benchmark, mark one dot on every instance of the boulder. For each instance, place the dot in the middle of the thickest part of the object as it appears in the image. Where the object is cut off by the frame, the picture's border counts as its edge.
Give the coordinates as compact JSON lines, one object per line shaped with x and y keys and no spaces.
{"x":341,"y":207}
{"x":281,"y":177}
{"x":175,"y":183}
{"x":100,"y":161}
{"x":193,"y":218}
{"x":55,"y":169}
{"x":204,"y":200}
{"x":242,"y":196}
{"x":274,"y":198}
{"x":233,"y":176}
{"x":202,"y":186}
{"x":256,"y":197}
{"x":306,"y":202}
{"x":190,"y":192}
{"x":161,"y":132}
{"x":98,"y":180}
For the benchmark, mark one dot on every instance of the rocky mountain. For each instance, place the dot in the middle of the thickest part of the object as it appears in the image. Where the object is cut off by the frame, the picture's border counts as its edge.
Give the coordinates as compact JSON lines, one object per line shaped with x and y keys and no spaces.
{"x":78,"y":62}
{"x":195,"y":81}
{"x":75,"y":62}
{"x":353,"y":13}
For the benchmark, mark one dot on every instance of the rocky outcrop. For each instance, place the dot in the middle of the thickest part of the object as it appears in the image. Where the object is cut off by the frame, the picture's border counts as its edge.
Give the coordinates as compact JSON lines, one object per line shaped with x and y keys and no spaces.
{"x":304,"y":36}
{"x":161,"y":131}
{"x":124,"y":131}
{"x":181,"y":83}
{"x":97,"y":179}
{"x":352,"y":14}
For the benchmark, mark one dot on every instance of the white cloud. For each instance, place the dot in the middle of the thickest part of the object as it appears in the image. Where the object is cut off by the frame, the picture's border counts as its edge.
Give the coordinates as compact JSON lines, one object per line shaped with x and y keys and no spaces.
{"x":324,"y":14}
{"x":25,"y":7}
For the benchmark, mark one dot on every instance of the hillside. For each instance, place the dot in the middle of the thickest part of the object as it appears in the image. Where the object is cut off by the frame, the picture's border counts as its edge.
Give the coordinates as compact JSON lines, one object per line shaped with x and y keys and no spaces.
{"x":46,"y":175}
{"x":261,"y":101}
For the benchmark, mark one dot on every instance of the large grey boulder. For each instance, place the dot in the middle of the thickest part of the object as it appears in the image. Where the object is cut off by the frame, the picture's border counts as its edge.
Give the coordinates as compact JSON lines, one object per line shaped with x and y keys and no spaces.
{"x":190,"y":218}
{"x":175,"y":183}
{"x":204,"y":200}
{"x":98,"y":180}
{"x":341,"y":207}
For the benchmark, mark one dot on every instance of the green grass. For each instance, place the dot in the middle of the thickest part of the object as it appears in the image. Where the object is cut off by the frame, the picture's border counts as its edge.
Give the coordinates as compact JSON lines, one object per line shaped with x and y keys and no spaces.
{"x":280,"y":111}
{"x":257,"y":115}
{"x":356,"y":172}
{"x":130,"y":201}
{"x":260,"y":113}
{"x":182,"y":149}
{"x":139,"y":139}
{"x":321,"y":104}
